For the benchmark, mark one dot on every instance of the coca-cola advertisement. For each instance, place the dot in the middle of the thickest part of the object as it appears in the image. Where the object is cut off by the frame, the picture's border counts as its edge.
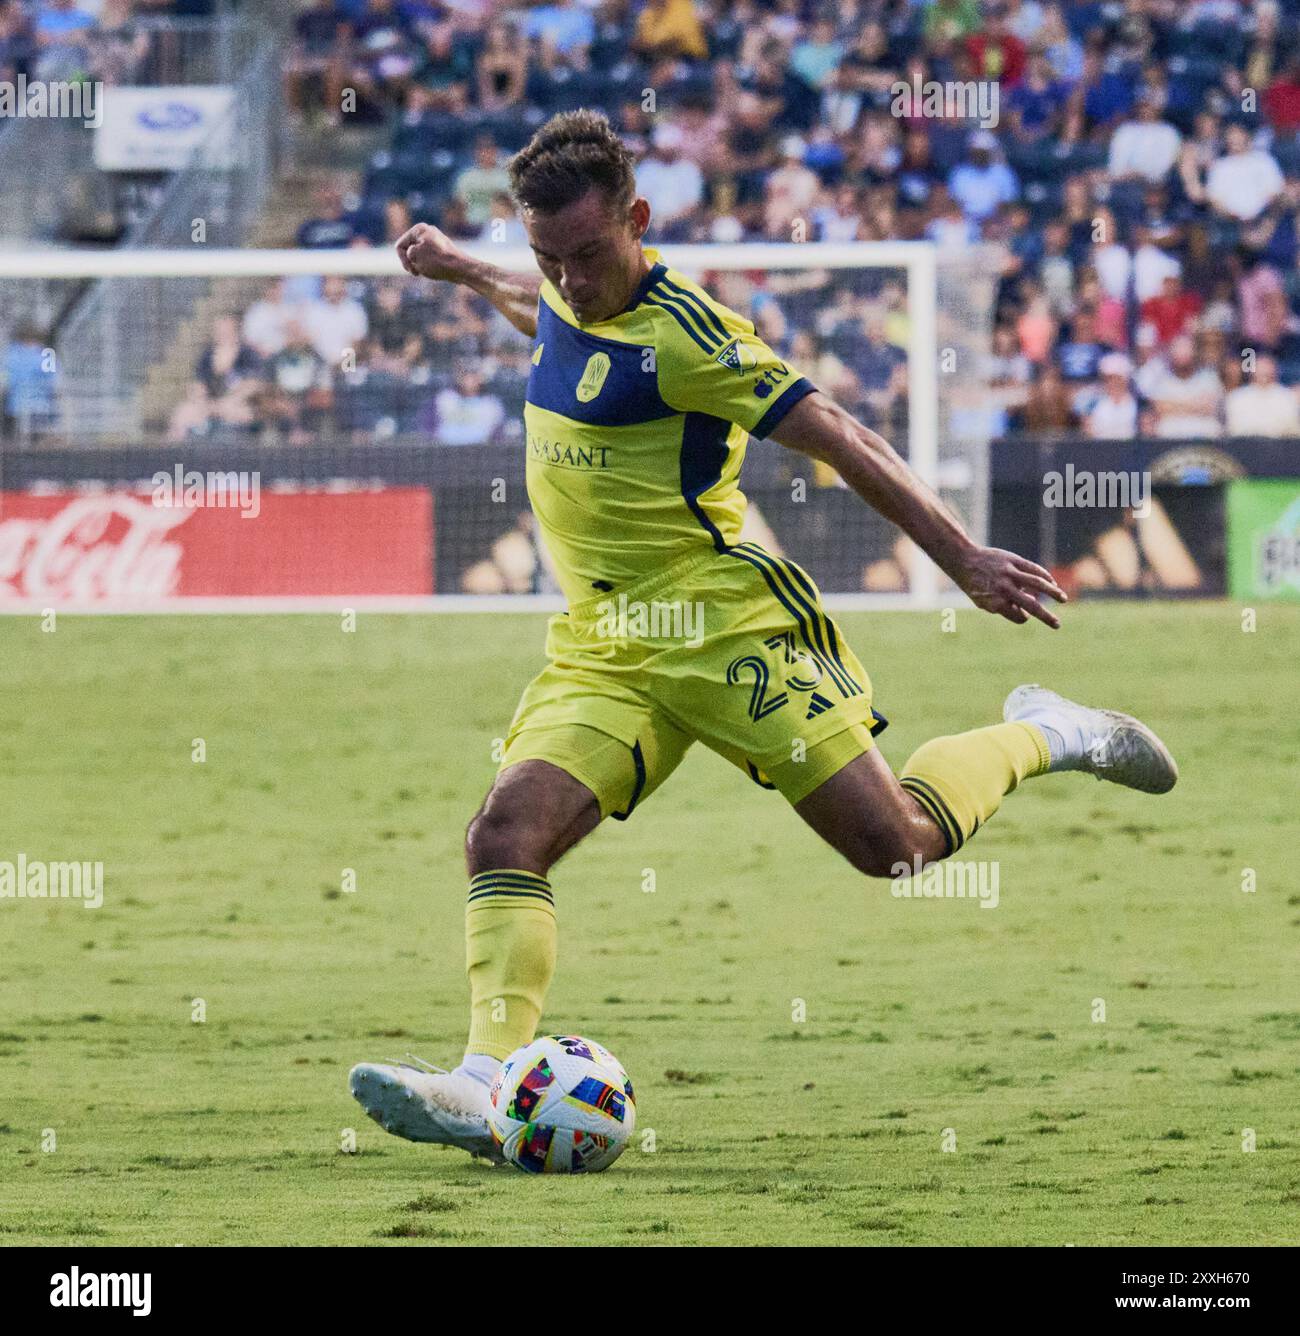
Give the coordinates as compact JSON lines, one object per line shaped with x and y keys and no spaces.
{"x":142,"y":547}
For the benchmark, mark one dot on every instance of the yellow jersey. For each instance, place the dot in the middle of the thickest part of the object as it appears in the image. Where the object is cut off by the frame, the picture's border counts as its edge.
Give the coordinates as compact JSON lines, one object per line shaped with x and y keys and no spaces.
{"x":636,"y":428}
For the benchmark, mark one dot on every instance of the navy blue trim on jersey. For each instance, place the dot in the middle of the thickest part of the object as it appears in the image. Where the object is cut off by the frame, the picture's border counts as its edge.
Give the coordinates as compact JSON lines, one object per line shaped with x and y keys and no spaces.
{"x":805,"y":618}
{"x":753,"y":774}
{"x":692,"y":299}
{"x":629,"y":395}
{"x":673,"y":305}
{"x":639,"y":761}
{"x":657,"y":271}
{"x":703,"y":454}
{"x":826,"y":650}
{"x":770,"y":420}
{"x":801,"y":578}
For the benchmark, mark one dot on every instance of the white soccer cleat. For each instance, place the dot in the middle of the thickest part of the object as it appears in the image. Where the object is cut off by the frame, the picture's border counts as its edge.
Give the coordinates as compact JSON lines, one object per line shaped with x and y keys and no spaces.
{"x":1113,"y":746}
{"x":426,"y":1103}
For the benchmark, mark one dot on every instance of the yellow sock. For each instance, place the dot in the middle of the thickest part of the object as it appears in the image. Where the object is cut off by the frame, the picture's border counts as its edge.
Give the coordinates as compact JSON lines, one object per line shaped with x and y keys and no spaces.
{"x":961,"y":779}
{"x":510,"y":954}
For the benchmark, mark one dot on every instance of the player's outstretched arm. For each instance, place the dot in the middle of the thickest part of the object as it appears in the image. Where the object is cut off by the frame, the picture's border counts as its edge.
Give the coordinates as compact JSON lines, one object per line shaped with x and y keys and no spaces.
{"x":428,"y":252}
{"x":995,"y":580}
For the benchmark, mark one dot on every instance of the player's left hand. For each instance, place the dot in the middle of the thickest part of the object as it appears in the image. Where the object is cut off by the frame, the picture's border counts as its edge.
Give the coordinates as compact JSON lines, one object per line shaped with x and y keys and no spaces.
{"x":1009,"y":585}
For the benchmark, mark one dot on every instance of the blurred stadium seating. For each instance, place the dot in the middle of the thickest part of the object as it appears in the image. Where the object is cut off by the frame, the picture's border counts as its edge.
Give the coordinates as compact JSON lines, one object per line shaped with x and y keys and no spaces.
{"x":1174,"y":124}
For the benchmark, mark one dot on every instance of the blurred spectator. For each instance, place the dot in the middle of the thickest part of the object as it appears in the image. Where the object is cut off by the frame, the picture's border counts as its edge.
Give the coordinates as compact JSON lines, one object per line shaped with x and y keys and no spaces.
{"x":313,"y":68}
{"x":1056,"y":269}
{"x":672,"y":183}
{"x":1243,"y":182}
{"x":982,"y":181}
{"x":822,"y":367}
{"x":880,"y":366}
{"x":1187,"y":396}
{"x":1146,"y":148}
{"x":266,"y":322}
{"x":17,"y":42}
{"x":669,"y":28}
{"x":1047,"y":407}
{"x":702,"y":125}
{"x":1035,"y":327}
{"x":29,"y":382}
{"x":394,"y":328}
{"x":1025,"y":19}
{"x":191,"y":419}
{"x":1153,"y":263}
{"x":1261,"y":299}
{"x":464,"y":414}
{"x":1009,"y":375}
{"x":816,"y":59}
{"x":1038,"y":104}
{"x":332,"y":227}
{"x":476,"y":185}
{"x":1112,"y":414}
{"x":1108,"y":312}
{"x":1150,"y":365}
{"x":1173,"y":311}
{"x":1264,"y":407}
{"x":791,"y":191}
{"x":1062,"y":48}
{"x":839,"y":219}
{"x":950,"y":20}
{"x":502,"y":68}
{"x":1079,"y":354}
{"x":227,"y":362}
{"x":1282,"y":100}
{"x":504,"y":227}
{"x":566,"y":28}
{"x":794,"y":104}
{"x":300,"y":388}
{"x":336,"y":322}
{"x":63,"y":32}
{"x":995,"y":51}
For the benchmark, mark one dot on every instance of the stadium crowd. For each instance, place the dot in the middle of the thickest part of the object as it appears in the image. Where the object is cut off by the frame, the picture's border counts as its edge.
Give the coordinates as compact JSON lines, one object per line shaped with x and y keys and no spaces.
{"x":93,"y":39}
{"x":1140,"y":167}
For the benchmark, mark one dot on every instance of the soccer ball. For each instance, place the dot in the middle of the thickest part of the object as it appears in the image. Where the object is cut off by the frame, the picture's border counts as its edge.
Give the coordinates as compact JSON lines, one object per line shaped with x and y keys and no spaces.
{"x":562,"y":1105}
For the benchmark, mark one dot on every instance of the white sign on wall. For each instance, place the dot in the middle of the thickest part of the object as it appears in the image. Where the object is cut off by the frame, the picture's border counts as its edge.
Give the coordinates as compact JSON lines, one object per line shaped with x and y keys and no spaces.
{"x":157,"y":129}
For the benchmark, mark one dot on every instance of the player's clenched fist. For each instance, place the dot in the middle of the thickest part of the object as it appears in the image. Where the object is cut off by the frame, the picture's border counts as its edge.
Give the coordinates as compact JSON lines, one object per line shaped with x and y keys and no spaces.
{"x":428,"y":252}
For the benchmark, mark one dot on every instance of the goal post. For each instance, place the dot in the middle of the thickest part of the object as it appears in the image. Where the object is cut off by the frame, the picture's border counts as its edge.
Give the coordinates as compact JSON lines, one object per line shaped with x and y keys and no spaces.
{"x":124,"y":329}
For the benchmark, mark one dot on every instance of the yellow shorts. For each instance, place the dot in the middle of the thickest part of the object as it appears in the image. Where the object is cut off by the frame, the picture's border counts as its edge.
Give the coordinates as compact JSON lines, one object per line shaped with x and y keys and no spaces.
{"x":732,"y":649}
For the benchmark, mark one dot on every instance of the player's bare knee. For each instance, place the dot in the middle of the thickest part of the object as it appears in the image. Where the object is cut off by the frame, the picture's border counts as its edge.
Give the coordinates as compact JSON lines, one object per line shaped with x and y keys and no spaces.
{"x":503,"y":835}
{"x":894,"y":853}
{"x":881,"y":860}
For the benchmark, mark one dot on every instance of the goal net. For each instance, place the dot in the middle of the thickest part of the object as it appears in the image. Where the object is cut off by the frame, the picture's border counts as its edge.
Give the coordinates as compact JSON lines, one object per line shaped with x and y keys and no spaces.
{"x":378,"y":419}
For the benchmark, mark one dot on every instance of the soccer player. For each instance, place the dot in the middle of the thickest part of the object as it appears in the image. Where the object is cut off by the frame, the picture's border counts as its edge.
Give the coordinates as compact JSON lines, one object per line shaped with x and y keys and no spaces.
{"x":641,"y":398}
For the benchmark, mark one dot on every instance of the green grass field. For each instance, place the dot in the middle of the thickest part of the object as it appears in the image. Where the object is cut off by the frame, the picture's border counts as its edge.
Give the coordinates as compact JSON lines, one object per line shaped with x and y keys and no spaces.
{"x":371,"y":750}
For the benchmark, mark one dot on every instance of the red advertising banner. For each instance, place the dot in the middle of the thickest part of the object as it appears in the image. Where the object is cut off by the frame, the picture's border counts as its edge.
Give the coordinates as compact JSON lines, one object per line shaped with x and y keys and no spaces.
{"x":112,"y":547}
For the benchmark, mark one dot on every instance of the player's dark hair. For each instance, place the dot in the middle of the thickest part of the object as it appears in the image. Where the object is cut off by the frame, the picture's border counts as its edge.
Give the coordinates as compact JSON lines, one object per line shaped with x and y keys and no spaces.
{"x":570,"y":154}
